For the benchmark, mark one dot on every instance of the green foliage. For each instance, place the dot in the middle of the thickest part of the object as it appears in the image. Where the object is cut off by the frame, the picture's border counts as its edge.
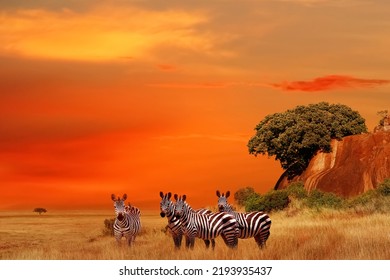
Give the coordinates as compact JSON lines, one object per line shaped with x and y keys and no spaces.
{"x":296,"y":135}
{"x":243,"y":194}
{"x":318,"y":199}
{"x":362,"y":199}
{"x":109,"y":227}
{"x":271,"y":201}
{"x":40,"y":210}
{"x":297,"y":190}
{"x":384,"y":188}
{"x":377,"y":200}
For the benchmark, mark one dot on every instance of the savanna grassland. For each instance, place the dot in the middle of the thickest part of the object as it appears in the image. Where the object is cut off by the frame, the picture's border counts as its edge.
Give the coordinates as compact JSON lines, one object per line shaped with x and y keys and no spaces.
{"x":295,"y":235}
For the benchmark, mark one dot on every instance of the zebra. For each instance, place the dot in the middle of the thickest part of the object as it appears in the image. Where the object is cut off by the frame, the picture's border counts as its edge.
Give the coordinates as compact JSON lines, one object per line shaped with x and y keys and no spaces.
{"x":174,"y":226}
{"x":206,"y":227}
{"x":127,"y":223}
{"x":252,"y":224}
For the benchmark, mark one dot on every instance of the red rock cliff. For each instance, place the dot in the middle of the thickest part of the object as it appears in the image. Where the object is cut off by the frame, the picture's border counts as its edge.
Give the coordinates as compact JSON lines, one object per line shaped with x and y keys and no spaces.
{"x":356,"y":164}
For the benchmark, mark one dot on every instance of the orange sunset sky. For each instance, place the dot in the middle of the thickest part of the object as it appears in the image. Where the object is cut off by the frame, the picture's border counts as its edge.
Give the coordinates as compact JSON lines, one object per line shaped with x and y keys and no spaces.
{"x":101,"y":97}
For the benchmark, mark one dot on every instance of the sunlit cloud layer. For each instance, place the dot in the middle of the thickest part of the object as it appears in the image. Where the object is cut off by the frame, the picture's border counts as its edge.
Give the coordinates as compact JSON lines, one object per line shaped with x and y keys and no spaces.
{"x":103,"y":33}
{"x":329,"y":83}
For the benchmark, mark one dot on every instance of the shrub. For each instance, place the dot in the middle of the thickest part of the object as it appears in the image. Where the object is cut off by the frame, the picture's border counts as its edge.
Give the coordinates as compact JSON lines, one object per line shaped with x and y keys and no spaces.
{"x":271,"y":201}
{"x":297,"y":190}
{"x":318,"y":199}
{"x":242,"y":195}
{"x":252,"y":202}
{"x":109,"y":227}
{"x":384,"y":188}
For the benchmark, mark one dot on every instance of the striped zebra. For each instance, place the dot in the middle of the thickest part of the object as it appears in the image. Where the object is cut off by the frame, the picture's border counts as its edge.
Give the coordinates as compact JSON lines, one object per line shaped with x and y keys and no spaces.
{"x":167,"y":209}
{"x":252,"y":224}
{"x":206,"y":227}
{"x":127,"y":223}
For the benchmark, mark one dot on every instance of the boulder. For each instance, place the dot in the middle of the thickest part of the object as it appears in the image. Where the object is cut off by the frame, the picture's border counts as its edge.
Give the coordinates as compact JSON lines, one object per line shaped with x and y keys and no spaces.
{"x":356,"y":164}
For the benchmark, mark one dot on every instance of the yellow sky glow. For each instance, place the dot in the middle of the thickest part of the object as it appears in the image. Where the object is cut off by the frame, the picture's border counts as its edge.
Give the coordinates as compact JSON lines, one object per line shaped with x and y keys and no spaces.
{"x":94,"y":36}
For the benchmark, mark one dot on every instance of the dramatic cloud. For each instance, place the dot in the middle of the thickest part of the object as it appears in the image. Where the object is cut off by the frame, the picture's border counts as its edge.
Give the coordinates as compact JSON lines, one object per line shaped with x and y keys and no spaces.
{"x":329,"y":83}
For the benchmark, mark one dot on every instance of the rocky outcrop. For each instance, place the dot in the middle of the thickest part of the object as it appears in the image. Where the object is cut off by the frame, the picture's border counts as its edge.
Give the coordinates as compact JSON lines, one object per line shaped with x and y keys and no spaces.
{"x":356,"y":164}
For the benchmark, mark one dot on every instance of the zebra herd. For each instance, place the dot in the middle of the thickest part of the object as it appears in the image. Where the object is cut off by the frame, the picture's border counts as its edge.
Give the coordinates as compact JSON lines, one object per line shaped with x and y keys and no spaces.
{"x":183,"y":220}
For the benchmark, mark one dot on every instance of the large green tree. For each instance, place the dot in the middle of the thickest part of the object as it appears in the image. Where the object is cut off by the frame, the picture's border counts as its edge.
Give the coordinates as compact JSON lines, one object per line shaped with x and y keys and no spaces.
{"x":296,"y":135}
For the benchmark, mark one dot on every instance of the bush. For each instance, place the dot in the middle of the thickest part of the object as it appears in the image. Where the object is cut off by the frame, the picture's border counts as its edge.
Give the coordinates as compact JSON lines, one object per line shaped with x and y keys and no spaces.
{"x":318,"y":199}
{"x":297,"y":190}
{"x":109,"y":227}
{"x":384,"y":188}
{"x":271,"y":201}
{"x":242,"y":195}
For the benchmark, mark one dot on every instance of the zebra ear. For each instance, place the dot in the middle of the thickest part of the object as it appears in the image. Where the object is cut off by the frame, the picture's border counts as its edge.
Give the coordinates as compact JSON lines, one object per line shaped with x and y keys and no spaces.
{"x":218,"y":194}
{"x":113,"y":197}
{"x":169,"y":195}
{"x":227,"y":194}
{"x":161,"y":194}
{"x":184,"y":197}
{"x":124,"y":197}
{"x":175,"y":196}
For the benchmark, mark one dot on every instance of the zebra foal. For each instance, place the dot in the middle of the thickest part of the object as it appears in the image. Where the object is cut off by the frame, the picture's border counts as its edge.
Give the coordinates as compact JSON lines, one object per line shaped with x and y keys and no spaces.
{"x":252,"y":224}
{"x":127,"y":223}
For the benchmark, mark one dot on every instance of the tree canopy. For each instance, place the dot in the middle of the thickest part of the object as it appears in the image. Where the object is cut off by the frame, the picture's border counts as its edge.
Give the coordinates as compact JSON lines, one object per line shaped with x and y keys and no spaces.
{"x":296,"y":135}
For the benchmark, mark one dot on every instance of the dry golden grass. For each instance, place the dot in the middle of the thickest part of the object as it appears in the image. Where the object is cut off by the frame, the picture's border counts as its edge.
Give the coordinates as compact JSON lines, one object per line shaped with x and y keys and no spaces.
{"x":301,"y":235}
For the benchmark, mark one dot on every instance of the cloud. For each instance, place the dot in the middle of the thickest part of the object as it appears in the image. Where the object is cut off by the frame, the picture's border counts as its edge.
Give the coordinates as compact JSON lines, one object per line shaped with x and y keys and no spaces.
{"x":330,"y":82}
{"x":99,"y":34}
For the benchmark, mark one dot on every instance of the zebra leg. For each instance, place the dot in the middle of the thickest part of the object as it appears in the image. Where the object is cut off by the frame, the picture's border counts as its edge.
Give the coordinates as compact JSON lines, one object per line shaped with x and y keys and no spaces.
{"x":118,"y":238}
{"x":213,"y":243}
{"x":128,"y":239}
{"x":261,"y":240}
{"x":190,"y":242}
{"x":177,"y":240}
{"x":207,"y":242}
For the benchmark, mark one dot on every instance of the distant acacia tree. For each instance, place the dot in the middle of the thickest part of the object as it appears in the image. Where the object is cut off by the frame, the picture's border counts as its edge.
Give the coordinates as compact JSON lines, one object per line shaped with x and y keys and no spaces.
{"x":40,"y":210}
{"x":296,"y":135}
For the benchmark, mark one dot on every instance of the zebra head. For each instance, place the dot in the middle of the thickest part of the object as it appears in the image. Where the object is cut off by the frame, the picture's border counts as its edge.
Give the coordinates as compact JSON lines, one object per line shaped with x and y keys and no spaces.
{"x":119,"y":206}
{"x":166,"y":205}
{"x":180,"y":205}
{"x":222,"y":201}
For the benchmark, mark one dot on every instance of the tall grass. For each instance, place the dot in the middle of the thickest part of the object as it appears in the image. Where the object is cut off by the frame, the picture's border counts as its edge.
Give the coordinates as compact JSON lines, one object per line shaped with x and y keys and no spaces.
{"x":296,"y":233}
